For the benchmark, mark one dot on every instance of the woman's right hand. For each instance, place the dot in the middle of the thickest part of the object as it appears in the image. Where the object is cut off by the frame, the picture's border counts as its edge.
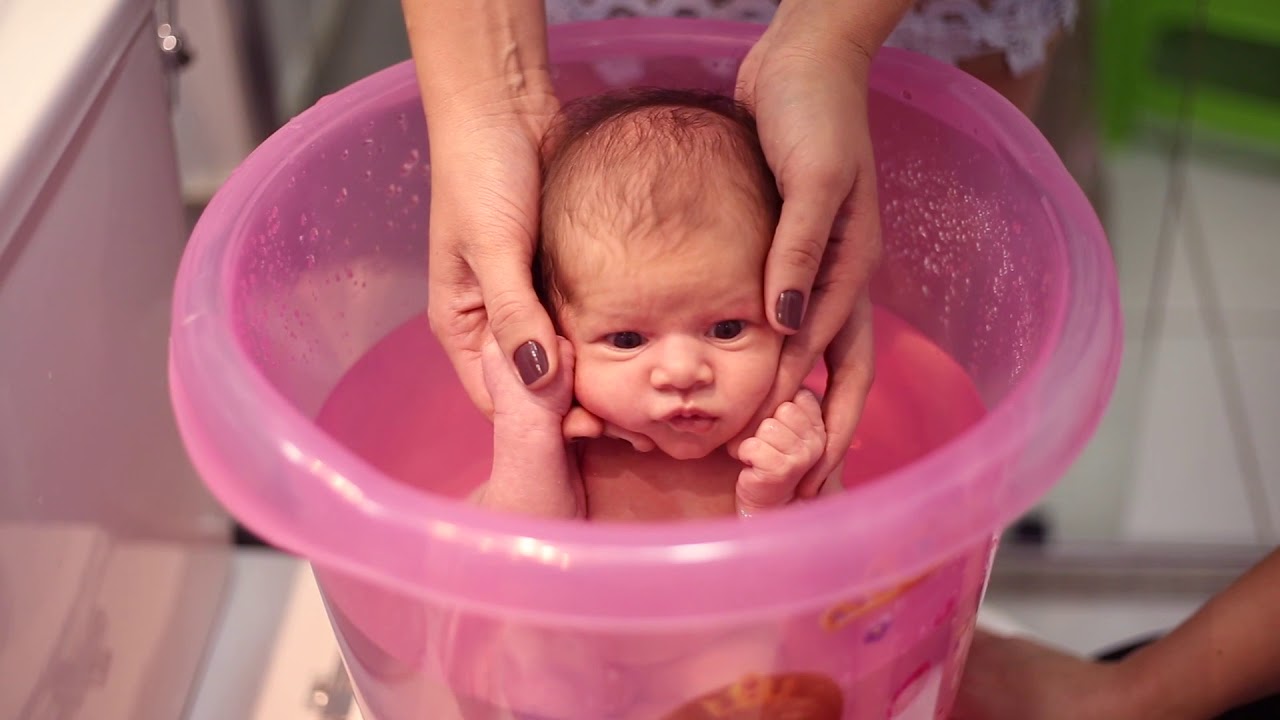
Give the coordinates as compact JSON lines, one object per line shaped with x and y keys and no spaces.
{"x":485,"y":187}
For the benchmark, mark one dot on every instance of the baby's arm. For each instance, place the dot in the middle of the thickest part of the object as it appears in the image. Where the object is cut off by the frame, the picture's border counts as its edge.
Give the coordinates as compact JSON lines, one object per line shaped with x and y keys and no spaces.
{"x":783,"y":451}
{"x":533,"y":473}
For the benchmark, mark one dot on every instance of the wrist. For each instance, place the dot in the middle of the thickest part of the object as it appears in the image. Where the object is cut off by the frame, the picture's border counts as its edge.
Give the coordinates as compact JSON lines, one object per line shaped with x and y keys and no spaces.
{"x":480,"y":56}
{"x":529,"y":425}
{"x":853,"y":29}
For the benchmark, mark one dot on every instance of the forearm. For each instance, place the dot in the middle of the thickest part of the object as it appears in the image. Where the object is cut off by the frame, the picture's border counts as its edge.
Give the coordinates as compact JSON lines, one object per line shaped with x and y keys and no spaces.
{"x":477,"y":54}
{"x":863,"y":25}
{"x":532,"y":473}
{"x":1226,"y":655}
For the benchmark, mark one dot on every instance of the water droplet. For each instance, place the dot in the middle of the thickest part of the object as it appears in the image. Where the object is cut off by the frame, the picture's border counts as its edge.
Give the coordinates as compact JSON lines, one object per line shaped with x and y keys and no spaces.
{"x":403,"y":121}
{"x":303,"y":219}
{"x":344,"y":154}
{"x":342,"y":198}
{"x":311,"y":261}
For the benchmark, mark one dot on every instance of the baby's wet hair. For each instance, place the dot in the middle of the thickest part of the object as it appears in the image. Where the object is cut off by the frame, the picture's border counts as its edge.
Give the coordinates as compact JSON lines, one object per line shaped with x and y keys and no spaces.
{"x":645,"y":154}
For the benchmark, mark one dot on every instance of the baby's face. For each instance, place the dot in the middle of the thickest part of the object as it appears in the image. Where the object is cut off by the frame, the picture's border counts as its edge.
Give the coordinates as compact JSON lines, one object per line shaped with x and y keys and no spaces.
{"x":675,"y":345}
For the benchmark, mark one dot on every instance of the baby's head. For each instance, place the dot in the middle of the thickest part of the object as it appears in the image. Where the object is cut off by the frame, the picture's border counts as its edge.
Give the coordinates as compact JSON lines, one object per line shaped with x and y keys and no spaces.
{"x":658,"y":210}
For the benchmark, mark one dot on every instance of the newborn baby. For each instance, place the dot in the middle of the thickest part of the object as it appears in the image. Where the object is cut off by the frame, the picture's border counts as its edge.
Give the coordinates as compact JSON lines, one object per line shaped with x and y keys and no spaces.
{"x":658,"y":209}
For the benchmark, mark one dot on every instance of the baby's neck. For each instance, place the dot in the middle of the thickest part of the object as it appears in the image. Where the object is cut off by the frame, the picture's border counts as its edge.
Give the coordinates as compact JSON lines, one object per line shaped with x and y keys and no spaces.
{"x":623,"y":484}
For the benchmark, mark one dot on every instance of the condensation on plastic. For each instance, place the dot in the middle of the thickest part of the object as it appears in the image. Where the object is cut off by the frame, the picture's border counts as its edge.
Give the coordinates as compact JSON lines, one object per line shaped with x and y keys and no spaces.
{"x":316,"y":248}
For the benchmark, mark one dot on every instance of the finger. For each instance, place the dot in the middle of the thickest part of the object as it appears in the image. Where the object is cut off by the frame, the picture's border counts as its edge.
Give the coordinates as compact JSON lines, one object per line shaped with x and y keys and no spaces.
{"x":809,"y":208}
{"x":795,"y":420}
{"x":809,"y":404}
{"x":780,"y":436}
{"x":461,"y":331}
{"x":641,"y":443}
{"x":467,"y":364}
{"x":493,"y":365}
{"x":516,"y":318}
{"x":757,"y":489}
{"x":851,"y":359}
{"x":580,"y":424}
{"x":769,"y":462}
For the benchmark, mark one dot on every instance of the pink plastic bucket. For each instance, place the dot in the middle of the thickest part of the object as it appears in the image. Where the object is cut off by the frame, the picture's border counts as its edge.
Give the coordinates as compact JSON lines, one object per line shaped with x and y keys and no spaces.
{"x":860,"y":606}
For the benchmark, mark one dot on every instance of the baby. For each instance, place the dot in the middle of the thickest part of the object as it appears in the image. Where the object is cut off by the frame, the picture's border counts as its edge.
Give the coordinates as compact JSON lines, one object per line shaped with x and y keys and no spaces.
{"x":658,"y":210}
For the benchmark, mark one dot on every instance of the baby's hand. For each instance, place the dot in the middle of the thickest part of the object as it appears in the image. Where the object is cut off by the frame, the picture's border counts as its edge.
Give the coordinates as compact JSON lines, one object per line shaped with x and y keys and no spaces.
{"x":782,"y":451}
{"x":514,"y":404}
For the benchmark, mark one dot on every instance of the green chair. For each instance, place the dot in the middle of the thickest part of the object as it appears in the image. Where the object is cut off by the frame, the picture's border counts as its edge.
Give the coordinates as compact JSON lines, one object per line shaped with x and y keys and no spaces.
{"x":1146,"y":48}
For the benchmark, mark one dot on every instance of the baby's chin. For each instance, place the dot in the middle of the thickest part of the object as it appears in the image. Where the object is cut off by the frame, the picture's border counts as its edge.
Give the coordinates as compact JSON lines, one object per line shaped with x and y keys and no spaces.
{"x":687,"y":450}
{"x":692,"y":447}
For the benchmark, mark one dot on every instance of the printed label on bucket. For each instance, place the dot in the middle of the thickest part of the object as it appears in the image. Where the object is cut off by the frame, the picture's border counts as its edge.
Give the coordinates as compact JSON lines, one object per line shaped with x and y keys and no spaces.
{"x":773,"y":697}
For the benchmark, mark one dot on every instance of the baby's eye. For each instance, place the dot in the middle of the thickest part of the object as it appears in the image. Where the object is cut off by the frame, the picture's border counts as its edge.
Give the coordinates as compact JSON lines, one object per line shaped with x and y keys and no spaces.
{"x":727,"y":329}
{"x":625,"y":340}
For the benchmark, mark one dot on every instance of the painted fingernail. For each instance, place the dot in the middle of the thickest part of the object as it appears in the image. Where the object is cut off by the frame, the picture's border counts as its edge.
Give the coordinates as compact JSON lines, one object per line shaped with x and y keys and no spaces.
{"x":790,"y":309}
{"x":531,"y":362}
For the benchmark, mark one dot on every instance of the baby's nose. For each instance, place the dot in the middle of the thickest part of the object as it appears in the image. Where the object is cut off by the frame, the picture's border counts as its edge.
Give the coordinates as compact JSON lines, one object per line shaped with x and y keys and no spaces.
{"x":681,"y":366}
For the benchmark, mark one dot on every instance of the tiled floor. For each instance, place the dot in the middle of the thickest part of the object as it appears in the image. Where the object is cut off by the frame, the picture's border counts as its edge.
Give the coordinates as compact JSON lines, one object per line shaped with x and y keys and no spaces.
{"x":1185,"y":454}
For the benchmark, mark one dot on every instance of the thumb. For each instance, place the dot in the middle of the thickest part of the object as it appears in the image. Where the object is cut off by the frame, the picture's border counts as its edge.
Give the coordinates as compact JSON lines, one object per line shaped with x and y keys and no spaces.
{"x":756,"y":494}
{"x":517,"y":319}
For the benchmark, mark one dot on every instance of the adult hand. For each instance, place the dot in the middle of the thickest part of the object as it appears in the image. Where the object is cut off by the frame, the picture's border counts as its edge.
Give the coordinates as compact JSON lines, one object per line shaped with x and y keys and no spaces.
{"x":485,"y":185}
{"x":808,"y":89}
{"x":1016,"y":679}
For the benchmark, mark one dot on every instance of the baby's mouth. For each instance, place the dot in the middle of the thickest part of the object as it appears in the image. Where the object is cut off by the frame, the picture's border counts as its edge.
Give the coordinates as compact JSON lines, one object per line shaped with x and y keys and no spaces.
{"x":690,"y":421}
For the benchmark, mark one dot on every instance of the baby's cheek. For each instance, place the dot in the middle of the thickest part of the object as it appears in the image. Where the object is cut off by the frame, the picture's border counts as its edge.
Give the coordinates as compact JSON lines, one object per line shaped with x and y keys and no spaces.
{"x":600,"y":390}
{"x":759,"y":376}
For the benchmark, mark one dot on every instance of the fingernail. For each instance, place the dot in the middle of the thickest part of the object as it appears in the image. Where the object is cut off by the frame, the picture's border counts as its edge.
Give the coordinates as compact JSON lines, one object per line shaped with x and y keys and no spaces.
{"x":790,"y":309}
{"x":531,"y":362}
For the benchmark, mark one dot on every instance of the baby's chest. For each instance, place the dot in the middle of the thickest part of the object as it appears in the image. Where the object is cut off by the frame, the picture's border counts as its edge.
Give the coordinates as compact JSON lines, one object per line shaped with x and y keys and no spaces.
{"x":656,"y":489}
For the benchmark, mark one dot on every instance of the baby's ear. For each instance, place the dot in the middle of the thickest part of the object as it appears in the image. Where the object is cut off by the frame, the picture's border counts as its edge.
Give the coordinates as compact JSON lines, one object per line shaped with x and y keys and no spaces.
{"x":580,"y":424}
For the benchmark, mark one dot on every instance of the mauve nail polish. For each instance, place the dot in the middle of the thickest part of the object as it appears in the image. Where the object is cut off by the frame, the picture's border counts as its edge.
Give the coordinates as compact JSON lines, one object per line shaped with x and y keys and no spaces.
{"x":791,"y":309}
{"x":531,"y":362}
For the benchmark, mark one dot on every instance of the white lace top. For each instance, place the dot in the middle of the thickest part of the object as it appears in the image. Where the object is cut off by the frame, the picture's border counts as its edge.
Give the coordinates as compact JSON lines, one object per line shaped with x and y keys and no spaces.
{"x":949,"y":30}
